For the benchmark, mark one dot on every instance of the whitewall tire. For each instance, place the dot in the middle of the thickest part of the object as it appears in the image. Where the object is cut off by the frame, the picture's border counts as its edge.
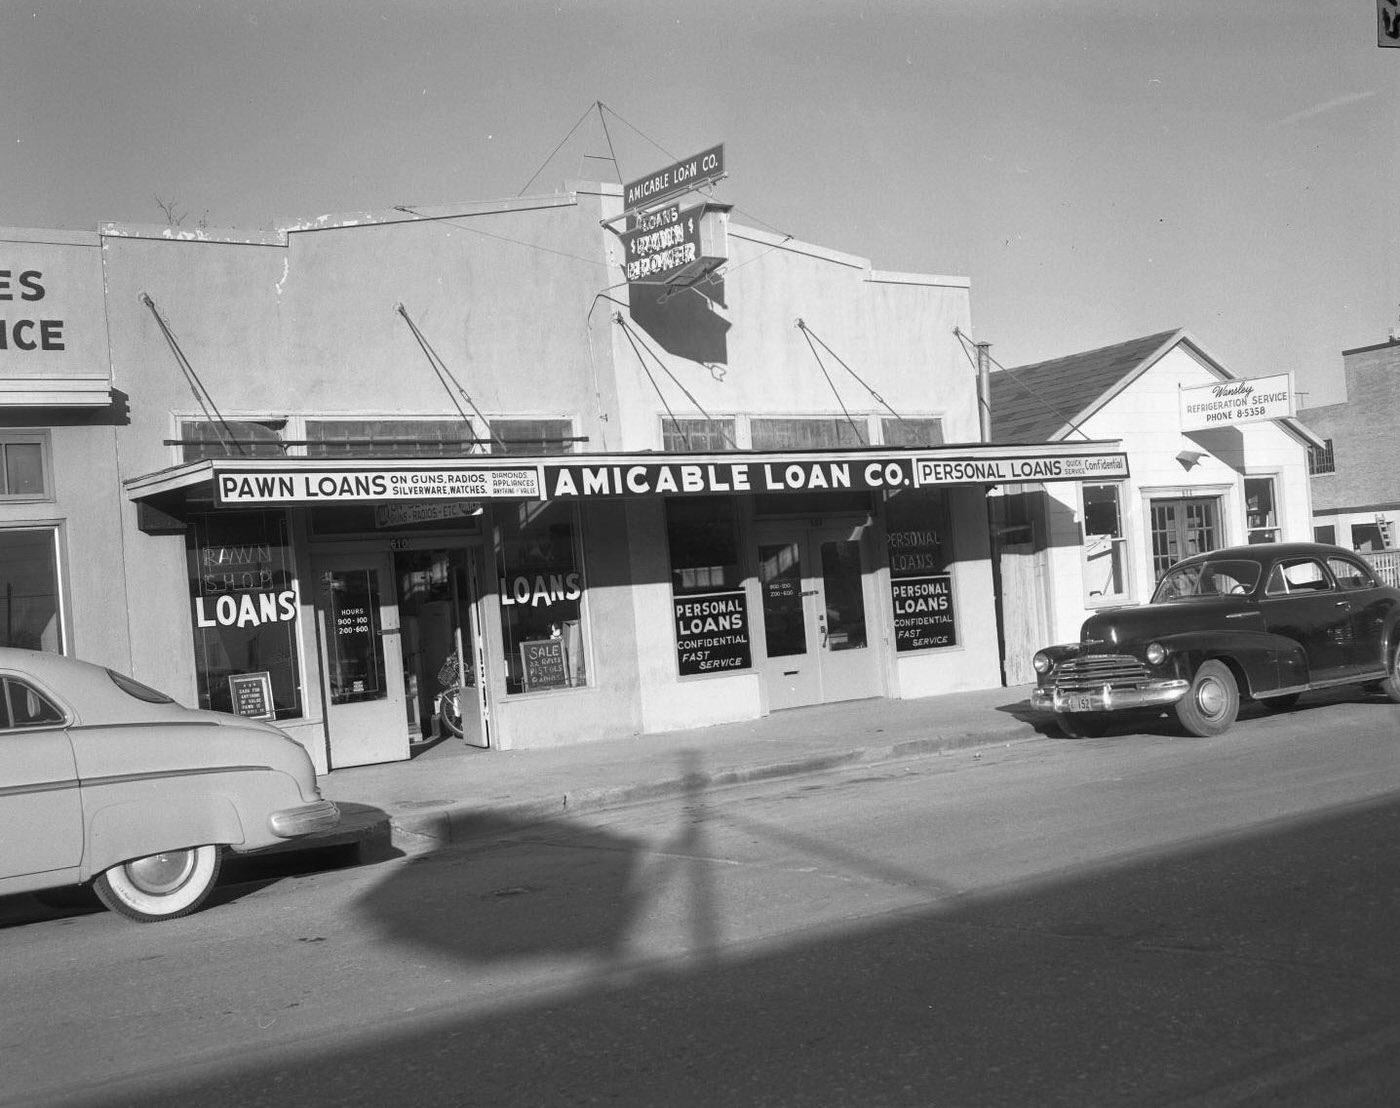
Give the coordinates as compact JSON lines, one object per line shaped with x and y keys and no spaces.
{"x":160,"y":886}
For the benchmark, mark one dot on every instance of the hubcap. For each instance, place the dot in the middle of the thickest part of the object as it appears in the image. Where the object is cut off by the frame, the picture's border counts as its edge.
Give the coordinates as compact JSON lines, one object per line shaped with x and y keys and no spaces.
{"x":161,"y":873}
{"x":1210,"y":698}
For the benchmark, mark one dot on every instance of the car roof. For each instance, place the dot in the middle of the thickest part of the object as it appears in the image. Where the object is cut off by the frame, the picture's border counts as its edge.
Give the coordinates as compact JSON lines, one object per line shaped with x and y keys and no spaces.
{"x":1268,"y":551}
{"x":83,"y":686}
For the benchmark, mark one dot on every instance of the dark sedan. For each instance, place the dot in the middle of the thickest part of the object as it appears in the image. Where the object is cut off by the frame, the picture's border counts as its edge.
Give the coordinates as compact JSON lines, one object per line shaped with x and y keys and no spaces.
{"x":1268,"y":622}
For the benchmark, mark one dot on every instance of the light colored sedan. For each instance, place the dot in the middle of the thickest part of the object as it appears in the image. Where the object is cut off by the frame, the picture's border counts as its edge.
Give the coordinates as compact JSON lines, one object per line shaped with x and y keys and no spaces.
{"x":105,"y":780}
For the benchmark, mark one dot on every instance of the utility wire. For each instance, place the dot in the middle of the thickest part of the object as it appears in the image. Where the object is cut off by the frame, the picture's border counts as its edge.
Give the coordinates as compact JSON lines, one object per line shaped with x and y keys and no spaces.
{"x":444,"y":375}
{"x":1015,"y":380}
{"x":201,"y":394}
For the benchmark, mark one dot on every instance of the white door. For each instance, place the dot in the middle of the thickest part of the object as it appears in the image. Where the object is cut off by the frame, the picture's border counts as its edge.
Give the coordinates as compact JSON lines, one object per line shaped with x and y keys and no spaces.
{"x":820,"y":640}
{"x":358,"y":620}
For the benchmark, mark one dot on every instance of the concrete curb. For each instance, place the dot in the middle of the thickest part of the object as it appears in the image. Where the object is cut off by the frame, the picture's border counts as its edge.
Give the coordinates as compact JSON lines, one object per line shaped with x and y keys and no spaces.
{"x":459,"y":822}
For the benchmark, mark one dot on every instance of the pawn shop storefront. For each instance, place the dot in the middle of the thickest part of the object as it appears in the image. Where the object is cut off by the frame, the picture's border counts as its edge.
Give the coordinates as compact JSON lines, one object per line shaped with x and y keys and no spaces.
{"x":564,"y":599}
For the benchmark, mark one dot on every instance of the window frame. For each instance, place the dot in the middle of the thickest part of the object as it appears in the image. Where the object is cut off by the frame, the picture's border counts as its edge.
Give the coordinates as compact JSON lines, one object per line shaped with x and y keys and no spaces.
{"x":55,"y":529}
{"x":29,"y":437}
{"x":1120,"y":547}
{"x":1274,"y":528}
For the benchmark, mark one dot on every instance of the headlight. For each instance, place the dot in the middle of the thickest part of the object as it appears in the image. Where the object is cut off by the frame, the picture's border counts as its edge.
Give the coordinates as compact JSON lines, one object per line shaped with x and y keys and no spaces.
{"x":1156,"y":653}
{"x":1042,"y":662}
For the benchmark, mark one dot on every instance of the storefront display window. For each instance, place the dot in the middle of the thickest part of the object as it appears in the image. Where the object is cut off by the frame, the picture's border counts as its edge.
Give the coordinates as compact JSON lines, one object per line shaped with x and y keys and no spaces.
{"x":1260,"y":509}
{"x":1105,"y":546}
{"x":31,"y":614}
{"x":541,"y":591}
{"x":245,"y":607}
{"x":921,"y":581}
{"x":709,"y":605}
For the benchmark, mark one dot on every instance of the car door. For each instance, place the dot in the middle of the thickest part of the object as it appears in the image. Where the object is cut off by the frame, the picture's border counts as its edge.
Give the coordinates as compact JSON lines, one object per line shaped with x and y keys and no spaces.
{"x":1371,"y":605}
{"x":1301,"y":602}
{"x":41,"y":818}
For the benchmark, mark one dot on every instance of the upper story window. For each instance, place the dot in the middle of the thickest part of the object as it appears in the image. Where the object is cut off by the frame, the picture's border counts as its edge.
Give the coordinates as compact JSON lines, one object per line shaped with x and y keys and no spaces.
{"x":412,"y":438}
{"x":24,"y":470}
{"x":697,"y":435}
{"x":805,"y":432}
{"x":532,"y":436}
{"x":918,"y":431}
{"x":232,"y":438}
{"x":1320,"y":459}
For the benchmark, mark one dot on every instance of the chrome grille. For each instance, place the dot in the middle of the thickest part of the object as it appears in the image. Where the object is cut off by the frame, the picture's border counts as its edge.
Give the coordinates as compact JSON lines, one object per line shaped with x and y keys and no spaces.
{"x":1093,"y":671}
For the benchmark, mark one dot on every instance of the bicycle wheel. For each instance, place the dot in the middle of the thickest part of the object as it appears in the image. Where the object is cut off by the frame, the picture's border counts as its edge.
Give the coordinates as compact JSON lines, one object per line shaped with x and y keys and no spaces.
{"x":450,"y":710}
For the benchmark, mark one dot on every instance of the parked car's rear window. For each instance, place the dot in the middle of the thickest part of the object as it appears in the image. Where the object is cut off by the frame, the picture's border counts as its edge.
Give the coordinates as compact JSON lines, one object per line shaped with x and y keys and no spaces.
{"x":141,"y":692}
{"x":1227,"y":577}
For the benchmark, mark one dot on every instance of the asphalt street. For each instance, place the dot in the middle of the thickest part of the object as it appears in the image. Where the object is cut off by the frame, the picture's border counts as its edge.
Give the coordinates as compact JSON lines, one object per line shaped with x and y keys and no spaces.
{"x":1135,"y":919}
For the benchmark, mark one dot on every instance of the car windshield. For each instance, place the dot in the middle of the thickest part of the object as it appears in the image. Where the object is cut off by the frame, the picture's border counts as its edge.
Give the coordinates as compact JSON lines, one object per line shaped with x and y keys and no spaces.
{"x":1222,"y":578}
{"x":141,"y":692}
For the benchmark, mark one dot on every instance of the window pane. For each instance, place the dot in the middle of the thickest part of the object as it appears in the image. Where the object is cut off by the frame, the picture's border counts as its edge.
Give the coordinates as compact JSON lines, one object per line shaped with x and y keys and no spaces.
{"x":246,"y":606}
{"x":532,"y":436}
{"x":23,"y":469}
{"x":412,"y":438}
{"x":1260,"y":516}
{"x":29,"y":597}
{"x":1105,"y":549}
{"x":805,"y":433}
{"x":541,"y":584}
{"x":780,"y":581}
{"x":702,"y":537}
{"x":697,"y":435}
{"x":231,"y":439}
{"x":912,"y":432}
{"x":845,"y":599}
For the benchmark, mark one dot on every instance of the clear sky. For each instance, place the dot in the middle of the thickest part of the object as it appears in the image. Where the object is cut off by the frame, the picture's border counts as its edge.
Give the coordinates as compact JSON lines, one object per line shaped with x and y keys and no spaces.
{"x":1100,"y":169}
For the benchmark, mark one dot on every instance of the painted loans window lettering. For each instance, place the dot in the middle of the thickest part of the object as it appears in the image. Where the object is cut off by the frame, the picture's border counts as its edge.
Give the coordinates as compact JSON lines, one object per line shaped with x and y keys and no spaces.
{"x":31,"y":613}
{"x":245,"y":602}
{"x":395,"y":438}
{"x":921,"y":581}
{"x":541,"y":590}
{"x":24,"y":466}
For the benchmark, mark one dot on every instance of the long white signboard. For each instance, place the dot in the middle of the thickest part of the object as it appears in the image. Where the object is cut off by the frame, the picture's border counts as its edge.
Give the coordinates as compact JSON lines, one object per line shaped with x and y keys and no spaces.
{"x":1228,"y":403}
{"x":374,"y":485}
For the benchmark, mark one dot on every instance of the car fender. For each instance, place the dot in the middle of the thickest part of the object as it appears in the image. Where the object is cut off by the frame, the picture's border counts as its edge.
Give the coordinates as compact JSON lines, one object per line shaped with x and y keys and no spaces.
{"x":1265,"y":661}
{"x":120,"y":831}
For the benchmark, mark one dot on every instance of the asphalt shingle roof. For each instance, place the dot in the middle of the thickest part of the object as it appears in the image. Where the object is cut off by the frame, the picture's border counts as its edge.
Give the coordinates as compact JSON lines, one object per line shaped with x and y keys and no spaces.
{"x":1033,"y":403}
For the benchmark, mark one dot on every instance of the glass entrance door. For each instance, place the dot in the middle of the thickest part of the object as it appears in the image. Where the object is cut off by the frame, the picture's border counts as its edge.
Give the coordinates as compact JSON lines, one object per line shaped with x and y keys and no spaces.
{"x":817,"y":603}
{"x":357,"y":620}
{"x":442,"y":644}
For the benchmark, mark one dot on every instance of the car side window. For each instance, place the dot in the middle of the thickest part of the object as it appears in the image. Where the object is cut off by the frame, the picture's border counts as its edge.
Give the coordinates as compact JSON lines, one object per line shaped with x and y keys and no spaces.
{"x":1350,"y":575}
{"x":1296,"y":576}
{"x":24,"y":707}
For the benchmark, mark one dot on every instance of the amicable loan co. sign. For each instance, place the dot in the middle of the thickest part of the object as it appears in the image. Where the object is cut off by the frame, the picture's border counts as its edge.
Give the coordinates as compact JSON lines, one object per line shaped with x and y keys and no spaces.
{"x":239,"y":483}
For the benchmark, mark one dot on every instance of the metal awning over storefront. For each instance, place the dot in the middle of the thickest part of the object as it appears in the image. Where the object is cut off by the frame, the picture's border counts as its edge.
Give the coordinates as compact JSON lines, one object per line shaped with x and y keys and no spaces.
{"x":272,"y":482}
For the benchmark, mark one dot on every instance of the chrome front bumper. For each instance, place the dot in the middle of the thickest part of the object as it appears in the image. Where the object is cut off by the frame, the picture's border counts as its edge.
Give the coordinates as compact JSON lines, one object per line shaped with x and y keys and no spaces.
{"x":1153,"y":694}
{"x":305,"y":820}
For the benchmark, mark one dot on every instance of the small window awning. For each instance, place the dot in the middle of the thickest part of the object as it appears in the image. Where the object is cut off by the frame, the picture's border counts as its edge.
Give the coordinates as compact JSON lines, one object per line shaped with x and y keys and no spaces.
{"x":273,"y":482}
{"x":56,"y":392}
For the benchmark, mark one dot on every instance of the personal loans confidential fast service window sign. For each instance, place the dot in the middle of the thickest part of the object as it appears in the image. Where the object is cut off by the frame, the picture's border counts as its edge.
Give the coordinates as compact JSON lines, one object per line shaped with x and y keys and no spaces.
{"x":712,"y":632}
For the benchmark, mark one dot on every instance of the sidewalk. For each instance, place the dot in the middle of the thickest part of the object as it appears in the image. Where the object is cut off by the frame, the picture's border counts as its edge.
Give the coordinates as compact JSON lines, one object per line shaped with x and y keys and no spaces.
{"x":451,"y":791}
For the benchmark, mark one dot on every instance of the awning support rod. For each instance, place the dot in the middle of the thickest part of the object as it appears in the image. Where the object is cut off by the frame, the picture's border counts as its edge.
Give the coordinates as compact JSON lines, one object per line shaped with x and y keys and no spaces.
{"x":201,"y":394}
{"x":449,"y":382}
{"x":807,"y":334}
{"x":634,"y":341}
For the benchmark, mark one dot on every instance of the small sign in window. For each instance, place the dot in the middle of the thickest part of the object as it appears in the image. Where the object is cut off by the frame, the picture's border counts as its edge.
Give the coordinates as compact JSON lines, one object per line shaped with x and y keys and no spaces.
{"x":251,"y":694}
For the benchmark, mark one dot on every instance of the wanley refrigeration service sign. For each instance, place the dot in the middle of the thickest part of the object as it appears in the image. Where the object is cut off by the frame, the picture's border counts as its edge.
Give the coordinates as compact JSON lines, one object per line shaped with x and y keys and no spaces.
{"x":239,"y":484}
{"x":1228,"y":403}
